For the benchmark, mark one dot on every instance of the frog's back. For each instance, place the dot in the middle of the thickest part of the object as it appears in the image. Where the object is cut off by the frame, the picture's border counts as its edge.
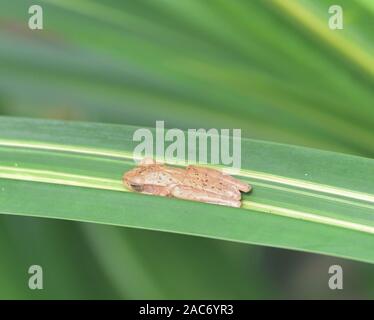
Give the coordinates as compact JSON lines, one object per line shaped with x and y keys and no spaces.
{"x":162,"y":176}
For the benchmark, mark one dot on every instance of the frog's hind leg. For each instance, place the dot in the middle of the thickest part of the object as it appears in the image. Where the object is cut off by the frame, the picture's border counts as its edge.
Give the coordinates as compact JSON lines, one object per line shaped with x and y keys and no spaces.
{"x":240,"y":185}
{"x":189,"y":193}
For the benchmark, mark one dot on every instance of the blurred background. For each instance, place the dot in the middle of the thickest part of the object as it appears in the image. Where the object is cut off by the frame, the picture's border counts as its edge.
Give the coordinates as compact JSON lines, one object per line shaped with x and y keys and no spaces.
{"x":272,"y":68}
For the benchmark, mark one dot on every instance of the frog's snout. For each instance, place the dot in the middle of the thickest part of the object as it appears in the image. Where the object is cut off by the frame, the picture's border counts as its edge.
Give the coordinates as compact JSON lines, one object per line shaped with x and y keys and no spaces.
{"x":132,"y":181}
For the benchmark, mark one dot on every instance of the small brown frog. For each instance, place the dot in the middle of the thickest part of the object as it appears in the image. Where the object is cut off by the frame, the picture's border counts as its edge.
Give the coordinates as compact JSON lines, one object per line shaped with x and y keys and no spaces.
{"x":193,"y":183}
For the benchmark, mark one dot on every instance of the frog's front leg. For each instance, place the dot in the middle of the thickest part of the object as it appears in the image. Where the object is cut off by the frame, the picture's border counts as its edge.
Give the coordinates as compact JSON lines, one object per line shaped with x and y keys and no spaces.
{"x":190,"y":193}
{"x":155,"y":190}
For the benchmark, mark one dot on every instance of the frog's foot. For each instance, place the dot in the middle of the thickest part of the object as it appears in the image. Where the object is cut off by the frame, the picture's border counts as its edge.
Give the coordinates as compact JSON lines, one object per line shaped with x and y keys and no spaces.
{"x":189,"y":193}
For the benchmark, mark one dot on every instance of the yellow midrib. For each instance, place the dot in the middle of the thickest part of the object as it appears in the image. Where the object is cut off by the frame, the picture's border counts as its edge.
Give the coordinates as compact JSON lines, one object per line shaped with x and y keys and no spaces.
{"x":312,"y":186}
{"x":302,"y":215}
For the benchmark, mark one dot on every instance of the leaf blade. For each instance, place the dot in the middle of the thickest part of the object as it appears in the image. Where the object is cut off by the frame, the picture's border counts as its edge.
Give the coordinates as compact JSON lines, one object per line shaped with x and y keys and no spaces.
{"x":73,"y":171}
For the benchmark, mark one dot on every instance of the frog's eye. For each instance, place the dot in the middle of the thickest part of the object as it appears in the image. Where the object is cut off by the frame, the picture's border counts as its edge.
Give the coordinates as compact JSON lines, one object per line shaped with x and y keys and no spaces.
{"x":136,"y":187}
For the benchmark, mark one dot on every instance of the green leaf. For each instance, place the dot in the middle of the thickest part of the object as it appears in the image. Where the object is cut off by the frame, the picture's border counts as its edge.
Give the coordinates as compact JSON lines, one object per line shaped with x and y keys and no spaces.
{"x":303,"y":199}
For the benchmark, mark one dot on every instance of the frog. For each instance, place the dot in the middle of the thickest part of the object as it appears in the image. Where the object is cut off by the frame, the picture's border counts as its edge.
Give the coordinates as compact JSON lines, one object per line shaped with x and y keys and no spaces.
{"x":194,"y":183}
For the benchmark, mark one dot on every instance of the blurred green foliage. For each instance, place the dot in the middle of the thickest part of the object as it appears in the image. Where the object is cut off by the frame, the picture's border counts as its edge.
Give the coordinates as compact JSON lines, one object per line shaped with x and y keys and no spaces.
{"x":272,"y":68}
